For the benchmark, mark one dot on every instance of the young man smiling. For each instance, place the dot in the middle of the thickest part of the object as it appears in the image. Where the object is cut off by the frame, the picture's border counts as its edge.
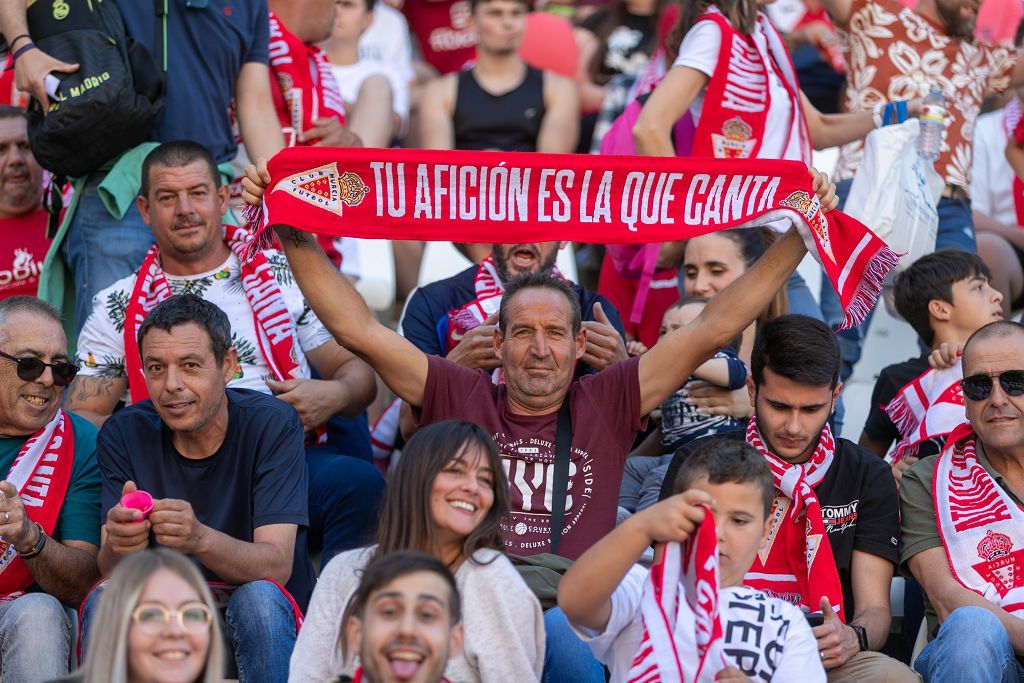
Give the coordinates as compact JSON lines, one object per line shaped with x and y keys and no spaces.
{"x":826,"y":488}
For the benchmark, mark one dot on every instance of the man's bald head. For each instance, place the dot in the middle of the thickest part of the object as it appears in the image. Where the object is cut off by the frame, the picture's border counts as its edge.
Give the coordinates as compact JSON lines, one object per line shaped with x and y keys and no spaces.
{"x":1002,"y":329}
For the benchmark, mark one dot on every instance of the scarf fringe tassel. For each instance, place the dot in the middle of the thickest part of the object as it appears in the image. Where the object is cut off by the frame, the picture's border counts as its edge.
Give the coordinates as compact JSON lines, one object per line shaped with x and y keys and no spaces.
{"x":870,"y":287}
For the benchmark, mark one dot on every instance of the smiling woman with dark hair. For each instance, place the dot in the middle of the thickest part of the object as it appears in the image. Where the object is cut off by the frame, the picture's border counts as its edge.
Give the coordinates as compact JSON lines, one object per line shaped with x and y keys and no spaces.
{"x":445,"y":497}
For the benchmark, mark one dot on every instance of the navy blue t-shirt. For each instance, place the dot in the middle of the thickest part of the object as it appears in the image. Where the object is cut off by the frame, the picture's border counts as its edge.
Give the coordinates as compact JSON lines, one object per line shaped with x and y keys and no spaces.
{"x":206,"y":48}
{"x":257,"y":477}
{"x":425,"y":322}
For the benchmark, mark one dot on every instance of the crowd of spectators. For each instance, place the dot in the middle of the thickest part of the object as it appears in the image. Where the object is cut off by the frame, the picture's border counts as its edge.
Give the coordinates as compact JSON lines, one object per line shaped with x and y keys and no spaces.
{"x":219,"y":462}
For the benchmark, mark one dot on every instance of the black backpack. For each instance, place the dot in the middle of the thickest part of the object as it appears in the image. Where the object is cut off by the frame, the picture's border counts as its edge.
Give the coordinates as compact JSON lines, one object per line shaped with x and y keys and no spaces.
{"x":106,"y":107}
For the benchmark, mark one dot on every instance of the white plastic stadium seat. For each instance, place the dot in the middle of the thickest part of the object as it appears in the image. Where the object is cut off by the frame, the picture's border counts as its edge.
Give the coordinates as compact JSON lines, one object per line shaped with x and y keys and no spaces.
{"x":376,"y":273}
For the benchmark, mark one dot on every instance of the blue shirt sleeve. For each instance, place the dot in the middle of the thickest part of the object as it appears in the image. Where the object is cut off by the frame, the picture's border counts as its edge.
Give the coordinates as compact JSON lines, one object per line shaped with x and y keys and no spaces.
{"x":259,"y":49}
{"x":280,"y":491}
{"x":419,"y":326}
{"x":737,"y":369}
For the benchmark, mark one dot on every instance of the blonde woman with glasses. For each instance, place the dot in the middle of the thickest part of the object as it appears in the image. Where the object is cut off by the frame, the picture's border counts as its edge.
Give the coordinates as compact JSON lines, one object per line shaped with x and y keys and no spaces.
{"x":155,"y":623}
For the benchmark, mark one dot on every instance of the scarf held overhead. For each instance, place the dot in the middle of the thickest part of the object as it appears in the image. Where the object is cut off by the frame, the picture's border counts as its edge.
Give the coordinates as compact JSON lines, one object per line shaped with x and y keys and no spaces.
{"x":796,"y":563}
{"x":485,"y":197}
{"x":682,"y":631}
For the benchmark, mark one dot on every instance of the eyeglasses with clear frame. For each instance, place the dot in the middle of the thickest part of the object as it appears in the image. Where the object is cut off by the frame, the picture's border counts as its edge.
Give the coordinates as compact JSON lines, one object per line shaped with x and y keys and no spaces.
{"x":193,"y":617}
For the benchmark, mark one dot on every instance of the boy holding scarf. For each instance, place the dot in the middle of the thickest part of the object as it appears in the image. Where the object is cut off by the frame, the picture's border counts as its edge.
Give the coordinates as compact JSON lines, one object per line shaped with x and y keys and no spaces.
{"x":827,"y":489}
{"x":621,"y":608}
{"x":962,"y":521}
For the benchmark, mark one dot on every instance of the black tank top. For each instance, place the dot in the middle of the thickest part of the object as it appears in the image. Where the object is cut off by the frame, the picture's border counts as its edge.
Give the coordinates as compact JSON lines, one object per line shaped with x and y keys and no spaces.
{"x":508,"y":122}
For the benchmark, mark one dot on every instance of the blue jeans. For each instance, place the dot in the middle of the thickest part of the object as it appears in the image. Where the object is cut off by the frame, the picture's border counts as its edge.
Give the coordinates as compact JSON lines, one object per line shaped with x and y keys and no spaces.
{"x":259,"y":626}
{"x":971,"y":647}
{"x":99,"y":249}
{"x":344,"y":497}
{"x":567,"y":659}
{"x":35,"y":639}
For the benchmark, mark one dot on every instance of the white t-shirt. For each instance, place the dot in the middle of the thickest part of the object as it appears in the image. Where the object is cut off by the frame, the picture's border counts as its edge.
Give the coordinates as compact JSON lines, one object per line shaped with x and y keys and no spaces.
{"x":764,"y":637}
{"x":991,"y":175}
{"x":388,"y":44}
{"x":101,"y":342}
{"x":350,"y":79}
{"x":699,"y":50}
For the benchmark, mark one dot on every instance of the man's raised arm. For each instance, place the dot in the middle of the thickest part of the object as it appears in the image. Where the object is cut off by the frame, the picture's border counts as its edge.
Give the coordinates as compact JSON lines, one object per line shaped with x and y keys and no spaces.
{"x":344,"y":313}
{"x":666,"y":366}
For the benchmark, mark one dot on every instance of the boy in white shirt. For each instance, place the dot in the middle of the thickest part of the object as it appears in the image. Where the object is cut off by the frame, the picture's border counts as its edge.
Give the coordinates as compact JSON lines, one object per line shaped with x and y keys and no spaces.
{"x":763,"y":638}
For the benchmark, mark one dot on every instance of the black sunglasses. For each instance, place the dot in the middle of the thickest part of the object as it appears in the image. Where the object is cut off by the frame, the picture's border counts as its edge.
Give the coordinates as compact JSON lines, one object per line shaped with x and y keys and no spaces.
{"x":31,"y":369}
{"x":979,"y":387}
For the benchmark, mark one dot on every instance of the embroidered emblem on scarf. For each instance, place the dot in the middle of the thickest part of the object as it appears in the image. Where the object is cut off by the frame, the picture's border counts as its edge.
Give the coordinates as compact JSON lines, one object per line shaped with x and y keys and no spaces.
{"x":977,"y":519}
{"x":797,"y":564}
{"x":682,"y":630}
{"x":275,"y":332}
{"x":41,"y":473}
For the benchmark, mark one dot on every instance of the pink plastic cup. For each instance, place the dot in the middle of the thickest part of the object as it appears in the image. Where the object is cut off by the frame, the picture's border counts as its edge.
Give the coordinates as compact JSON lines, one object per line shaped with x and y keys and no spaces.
{"x":138,"y":500}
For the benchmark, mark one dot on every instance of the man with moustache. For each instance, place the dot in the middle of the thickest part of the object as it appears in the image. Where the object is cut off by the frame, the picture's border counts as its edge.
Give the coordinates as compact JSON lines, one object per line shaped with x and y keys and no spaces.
{"x":50,"y":496}
{"x":23,"y":242}
{"x":455,"y":318}
{"x":963,"y":525}
{"x":404,"y":620}
{"x":826,"y":487}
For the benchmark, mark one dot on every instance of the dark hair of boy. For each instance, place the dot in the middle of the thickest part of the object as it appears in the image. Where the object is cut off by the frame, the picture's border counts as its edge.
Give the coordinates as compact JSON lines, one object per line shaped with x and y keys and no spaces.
{"x":721,"y":461}
{"x":931,"y":278}
{"x":797,"y":347}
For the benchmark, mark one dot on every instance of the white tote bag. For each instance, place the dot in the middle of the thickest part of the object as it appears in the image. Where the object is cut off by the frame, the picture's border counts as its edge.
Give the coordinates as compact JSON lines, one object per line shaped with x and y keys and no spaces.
{"x":895,"y":192}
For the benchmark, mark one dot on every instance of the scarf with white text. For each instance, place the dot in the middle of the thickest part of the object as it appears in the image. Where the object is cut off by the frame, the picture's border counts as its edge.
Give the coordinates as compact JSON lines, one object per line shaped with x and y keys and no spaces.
{"x":978,"y":520}
{"x":464,"y":196}
{"x":928,"y":407}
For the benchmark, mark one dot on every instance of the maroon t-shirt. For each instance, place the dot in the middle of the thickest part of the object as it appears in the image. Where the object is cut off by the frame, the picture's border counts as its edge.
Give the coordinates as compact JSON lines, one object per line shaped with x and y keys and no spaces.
{"x":605,"y":420}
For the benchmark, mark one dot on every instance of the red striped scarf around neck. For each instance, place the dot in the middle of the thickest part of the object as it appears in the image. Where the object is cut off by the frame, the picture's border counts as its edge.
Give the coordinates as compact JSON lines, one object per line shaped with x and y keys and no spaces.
{"x":302,"y":82}
{"x":41,"y":473}
{"x":682,"y":629}
{"x":510,"y":197}
{"x":275,"y":332}
{"x":981,"y":527}
{"x":796,"y":564}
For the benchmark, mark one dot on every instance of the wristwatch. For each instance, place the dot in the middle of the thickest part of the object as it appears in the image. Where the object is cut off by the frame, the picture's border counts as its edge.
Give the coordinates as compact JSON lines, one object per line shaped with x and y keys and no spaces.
{"x":38,"y":547}
{"x":862,"y":637}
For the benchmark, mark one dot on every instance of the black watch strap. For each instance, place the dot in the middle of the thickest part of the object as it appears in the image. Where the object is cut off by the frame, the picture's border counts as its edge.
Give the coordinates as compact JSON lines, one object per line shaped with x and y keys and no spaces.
{"x":40,"y":543}
{"x":862,"y":637}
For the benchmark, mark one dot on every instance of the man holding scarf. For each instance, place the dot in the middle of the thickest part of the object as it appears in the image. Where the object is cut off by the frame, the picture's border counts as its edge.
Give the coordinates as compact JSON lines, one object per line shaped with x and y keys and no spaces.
{"x":962,"y":521}
{"x":50,"y":496}
{"x":276,"y":336}
{"x":827,"y":489}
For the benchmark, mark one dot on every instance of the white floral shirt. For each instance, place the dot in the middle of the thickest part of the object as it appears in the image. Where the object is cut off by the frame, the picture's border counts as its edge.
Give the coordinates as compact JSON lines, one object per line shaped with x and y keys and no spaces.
{"x":101,"y":342}
{"x":893,"y":53}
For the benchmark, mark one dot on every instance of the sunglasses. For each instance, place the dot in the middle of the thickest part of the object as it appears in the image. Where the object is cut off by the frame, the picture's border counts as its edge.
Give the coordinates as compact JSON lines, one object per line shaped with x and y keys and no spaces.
{"x":31,"y":369}
{"x":153,"y":618}
{"x":979,"y":387}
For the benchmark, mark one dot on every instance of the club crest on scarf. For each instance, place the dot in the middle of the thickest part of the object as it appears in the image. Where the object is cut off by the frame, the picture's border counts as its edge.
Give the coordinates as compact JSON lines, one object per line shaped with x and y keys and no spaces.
{"x":810,"y":206}
{"x":735,"y":141}
{"x":325,"y":188}
{"x":1003,"y":567}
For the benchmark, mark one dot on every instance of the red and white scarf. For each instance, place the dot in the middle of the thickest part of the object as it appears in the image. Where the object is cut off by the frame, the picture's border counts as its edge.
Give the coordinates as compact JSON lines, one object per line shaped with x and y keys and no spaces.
{"x":1012,"y":124}
{"x":461,"y":196}
{"x":489,"y":289}
{"x":357,"y":677}
{"x":734,"y":116}
{"x":275,"y":331}
{"x":978,"y":520}
{"x":42,"y":473}
{"x":929,"y":407}
{"x":682,"y":630}
{"x":796,"y":564}
{"x":302,"y":82}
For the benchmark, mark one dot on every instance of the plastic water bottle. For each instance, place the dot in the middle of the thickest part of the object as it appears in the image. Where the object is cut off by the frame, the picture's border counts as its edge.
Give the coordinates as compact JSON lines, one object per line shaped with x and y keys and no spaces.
{"x":933,"y":121}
